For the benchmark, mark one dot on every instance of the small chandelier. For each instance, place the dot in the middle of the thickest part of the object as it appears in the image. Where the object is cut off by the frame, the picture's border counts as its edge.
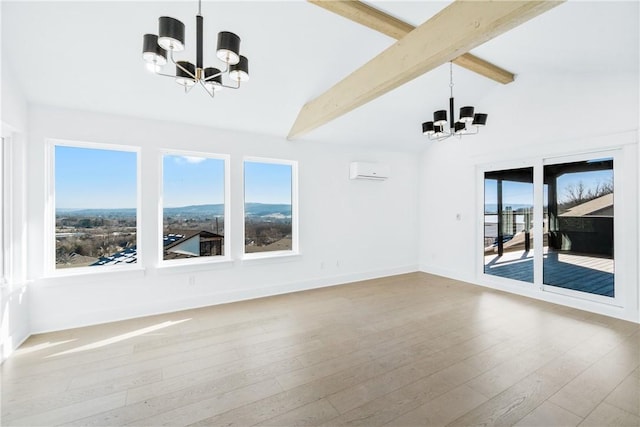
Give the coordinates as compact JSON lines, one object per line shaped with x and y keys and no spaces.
{"x":170,"y":39}
{"x":468,"y":124}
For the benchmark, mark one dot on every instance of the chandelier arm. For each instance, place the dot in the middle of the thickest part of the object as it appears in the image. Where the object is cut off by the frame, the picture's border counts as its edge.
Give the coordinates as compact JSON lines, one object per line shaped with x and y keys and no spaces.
{"x":231,"y":87}
{"x":181,"y":67}
{"x":210,"y":92}
{"x":440,"y":138}
{"x":476,"y":131}
{"x":226,"y":70}
{"x":187,"y":88}
{"x":166,"y":75}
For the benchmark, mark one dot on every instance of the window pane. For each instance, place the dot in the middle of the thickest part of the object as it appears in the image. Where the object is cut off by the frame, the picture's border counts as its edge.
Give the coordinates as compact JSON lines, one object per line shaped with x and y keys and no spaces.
{"x":193,"y":207}
{"x":95,"y":207}
{"x":578,"y":250}
{"x":508,"y":215}
{"x":268,"y":215}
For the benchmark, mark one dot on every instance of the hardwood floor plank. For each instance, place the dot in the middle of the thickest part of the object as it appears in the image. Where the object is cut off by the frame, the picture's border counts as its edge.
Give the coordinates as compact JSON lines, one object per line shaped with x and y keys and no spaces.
{"x":203,"y":407}
{"x":367,"y":392}
{"x":50,"y":402}
{"x":608,"y":415}
{"x":627,"y":395}
{"x":312,"y":414}
{"x":288,"y":400}
{"x":549,"y":414}
{"x":508,"y":373}
{"x":442,"y":410}
{"x":66,"y":414}
{"x":511,"y":405}
{"x":590,"y":388}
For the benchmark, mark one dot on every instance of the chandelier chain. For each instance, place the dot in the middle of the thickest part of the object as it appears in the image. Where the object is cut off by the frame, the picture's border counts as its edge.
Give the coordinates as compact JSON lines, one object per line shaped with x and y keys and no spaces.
{"x":451,"y":78}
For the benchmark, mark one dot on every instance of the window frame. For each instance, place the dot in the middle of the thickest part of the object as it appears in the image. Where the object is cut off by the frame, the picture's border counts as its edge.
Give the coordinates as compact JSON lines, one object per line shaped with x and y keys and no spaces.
{"x":537,"y":287}
{"x":616,"y":300}
{"x":4,"y":203}
{"x":162,"y":263}
{"x":50,"y":210}
{"x":295,"y":238}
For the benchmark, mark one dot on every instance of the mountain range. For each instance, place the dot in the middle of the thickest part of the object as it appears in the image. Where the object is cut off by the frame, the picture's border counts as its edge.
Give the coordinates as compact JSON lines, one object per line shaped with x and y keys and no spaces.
{"x":251,"y":209}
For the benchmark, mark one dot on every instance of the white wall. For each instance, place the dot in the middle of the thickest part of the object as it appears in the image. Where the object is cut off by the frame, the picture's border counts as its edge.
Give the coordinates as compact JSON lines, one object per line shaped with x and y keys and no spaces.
{"x":14,"y":301}
{"x":535,"y":117}
{"x":349,"y":230}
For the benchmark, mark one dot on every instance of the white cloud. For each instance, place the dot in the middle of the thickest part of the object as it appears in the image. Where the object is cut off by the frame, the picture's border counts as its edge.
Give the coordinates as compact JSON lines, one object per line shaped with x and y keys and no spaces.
{"x":192,"y":159}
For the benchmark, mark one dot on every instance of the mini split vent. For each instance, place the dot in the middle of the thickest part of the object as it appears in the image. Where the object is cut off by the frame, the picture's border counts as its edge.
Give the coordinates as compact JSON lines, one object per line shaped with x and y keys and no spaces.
{"x":373,"y":171}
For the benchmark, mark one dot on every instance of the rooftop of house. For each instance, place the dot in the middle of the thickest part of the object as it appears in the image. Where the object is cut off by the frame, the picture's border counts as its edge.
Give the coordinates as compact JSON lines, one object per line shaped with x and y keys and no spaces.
{"x":170,"y":240}
{"x":592,"y":207}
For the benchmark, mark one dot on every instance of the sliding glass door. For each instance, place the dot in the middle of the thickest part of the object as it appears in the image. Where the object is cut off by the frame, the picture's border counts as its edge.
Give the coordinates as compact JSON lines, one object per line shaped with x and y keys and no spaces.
{"x":568,"y":204}
{"x":508,"y":215}
{"x":579,"y":220}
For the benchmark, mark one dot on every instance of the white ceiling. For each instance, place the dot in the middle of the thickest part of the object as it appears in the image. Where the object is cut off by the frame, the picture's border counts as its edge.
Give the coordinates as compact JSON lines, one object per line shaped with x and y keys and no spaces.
{"x":87,"y":55}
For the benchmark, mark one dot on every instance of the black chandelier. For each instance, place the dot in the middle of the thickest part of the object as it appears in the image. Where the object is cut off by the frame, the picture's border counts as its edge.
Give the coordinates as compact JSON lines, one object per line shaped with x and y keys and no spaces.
{"x":468,"y":123}
{"x":170,"y":39}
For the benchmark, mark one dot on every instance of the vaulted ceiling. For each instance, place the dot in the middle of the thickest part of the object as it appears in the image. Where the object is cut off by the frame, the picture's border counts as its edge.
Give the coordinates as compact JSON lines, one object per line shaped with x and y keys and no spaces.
{"x":87,"y":55}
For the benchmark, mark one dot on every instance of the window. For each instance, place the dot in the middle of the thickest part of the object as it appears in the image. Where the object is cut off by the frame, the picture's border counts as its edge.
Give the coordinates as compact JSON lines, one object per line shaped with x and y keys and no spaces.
{"x":270,"y":206}
{"x":95,"y":193}
{"x":193,"y":206}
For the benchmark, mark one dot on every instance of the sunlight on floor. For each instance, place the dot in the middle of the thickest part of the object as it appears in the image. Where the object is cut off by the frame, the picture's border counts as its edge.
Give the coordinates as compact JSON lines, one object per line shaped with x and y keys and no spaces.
{"x":26,"y":350}
{"x":118,"y":338}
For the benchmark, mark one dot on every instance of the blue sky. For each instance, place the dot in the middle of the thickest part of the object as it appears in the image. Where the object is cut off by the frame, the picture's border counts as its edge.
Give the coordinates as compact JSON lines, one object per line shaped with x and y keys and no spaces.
{"x":192,"y":181}
{"x":522,"y":193}
{"x":267,"y":183}
{"x":513,"y":193}
{"x":86,"y":178}
{"x":589,"y":179}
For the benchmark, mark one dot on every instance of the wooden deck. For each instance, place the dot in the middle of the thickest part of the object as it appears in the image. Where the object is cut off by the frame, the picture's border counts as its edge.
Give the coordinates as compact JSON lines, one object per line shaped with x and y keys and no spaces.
{"x":583,"y":273}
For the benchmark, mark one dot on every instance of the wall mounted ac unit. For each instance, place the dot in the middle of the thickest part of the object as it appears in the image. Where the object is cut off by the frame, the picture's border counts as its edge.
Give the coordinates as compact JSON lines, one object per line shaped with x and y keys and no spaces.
{"x":362,"y":170}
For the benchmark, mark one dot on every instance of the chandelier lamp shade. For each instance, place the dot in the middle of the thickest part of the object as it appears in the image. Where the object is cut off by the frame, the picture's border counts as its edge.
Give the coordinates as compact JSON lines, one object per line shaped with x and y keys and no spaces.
{"x":158,"y":50}
{"x":469,"y":122}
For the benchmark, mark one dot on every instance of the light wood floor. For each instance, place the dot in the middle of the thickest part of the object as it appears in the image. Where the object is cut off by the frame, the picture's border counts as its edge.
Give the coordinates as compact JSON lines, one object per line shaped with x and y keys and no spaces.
{"x":407,"y":350}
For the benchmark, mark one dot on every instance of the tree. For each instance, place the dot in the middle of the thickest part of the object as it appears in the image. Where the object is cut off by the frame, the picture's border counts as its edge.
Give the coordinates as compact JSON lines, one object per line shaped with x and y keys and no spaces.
{"x":578,"y":193}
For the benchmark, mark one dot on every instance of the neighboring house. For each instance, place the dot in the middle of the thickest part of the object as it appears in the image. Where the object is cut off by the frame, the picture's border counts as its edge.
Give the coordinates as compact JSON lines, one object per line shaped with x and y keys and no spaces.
{"x":194,"y":243}
{"x":128,"y":256}
{"x":601,"y":206}
{"x":186,"y":244}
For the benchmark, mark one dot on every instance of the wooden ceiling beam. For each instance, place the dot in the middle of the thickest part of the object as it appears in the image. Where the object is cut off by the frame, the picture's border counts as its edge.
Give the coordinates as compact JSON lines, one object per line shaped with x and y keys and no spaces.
{"x":456,"y":29}
{"x":384,"y":23}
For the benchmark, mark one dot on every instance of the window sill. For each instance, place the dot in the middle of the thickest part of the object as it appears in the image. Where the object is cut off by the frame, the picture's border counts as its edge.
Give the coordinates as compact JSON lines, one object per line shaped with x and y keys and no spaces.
{"x":269,"y":257}
{"x":179,"y":266}
{"x":82,"y":274}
